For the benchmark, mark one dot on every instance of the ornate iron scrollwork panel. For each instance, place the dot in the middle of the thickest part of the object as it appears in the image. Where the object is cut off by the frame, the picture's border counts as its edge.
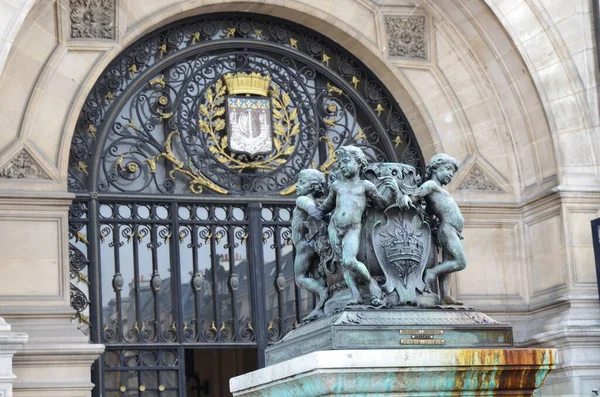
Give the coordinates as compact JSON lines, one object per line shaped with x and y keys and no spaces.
{"x":158,"y":117}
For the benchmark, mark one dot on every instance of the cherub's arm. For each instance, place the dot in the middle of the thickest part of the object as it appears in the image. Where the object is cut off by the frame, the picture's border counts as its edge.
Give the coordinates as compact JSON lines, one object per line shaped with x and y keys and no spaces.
{"x":329,"y":204}
{"x":306,"y":203}
{"x":374,"y":195}
{"x":426,"y":188}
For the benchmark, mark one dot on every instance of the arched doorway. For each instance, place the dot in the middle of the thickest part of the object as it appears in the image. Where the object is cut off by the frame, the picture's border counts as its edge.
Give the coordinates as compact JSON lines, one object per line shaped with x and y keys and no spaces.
{"x":183,"y":159}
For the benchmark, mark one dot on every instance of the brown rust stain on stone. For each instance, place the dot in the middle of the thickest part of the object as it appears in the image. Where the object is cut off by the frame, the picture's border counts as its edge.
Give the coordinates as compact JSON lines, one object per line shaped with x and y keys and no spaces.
{"x":503,"y":369}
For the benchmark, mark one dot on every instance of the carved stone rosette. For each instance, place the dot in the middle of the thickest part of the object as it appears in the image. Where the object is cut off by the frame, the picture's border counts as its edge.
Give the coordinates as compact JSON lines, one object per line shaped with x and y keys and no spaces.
{"x":406,"y":36}
{"x":92,"y":19}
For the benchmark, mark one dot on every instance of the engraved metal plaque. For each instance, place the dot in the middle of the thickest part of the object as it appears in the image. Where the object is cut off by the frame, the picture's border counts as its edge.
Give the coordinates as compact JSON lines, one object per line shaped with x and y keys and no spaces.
{"x":249,"y":125}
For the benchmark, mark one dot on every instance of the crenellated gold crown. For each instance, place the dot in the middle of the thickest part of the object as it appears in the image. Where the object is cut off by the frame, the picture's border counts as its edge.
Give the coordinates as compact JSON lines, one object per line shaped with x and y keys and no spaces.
{"x":244,"y":83}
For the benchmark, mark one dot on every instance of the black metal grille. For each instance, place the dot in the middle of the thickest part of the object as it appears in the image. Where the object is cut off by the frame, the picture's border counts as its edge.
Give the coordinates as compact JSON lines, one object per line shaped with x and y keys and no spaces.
{"x":173,"y":243}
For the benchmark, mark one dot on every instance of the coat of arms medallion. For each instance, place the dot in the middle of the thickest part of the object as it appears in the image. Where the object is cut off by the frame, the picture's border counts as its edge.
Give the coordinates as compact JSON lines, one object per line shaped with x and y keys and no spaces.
{"x":249,"y":125}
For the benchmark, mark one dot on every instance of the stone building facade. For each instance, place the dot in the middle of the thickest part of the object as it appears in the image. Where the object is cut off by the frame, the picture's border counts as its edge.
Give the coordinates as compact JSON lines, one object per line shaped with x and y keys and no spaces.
{"x":508,"y":87}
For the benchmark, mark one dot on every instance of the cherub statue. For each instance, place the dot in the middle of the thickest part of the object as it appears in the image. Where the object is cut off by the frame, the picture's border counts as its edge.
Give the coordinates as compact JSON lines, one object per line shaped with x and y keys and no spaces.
{"x":348,"y":198}
{"x":439,"y":172}
{"x":310,"y":185}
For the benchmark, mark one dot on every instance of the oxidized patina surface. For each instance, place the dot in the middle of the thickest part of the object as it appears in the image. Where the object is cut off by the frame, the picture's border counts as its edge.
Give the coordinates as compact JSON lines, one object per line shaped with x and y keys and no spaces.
{"x":404,"y":328}
{"x":377,"y":236}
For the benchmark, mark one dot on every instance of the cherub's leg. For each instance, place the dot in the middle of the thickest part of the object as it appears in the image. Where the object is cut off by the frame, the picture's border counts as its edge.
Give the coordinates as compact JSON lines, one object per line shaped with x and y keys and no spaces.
{"x":350,"y":246}
{"x":305,"y":259}
{"x":453,"y":260}
{"x":445,"y":291}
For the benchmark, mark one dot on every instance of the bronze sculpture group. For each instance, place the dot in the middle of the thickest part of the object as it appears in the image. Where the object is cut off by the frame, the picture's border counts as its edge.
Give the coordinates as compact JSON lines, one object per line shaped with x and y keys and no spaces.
{"x":375,"y":237}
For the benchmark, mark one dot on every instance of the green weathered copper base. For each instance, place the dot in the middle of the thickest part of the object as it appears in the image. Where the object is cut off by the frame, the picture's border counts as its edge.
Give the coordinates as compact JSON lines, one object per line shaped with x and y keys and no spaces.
{"x":393,"y":329}
{"x":402,"y":373}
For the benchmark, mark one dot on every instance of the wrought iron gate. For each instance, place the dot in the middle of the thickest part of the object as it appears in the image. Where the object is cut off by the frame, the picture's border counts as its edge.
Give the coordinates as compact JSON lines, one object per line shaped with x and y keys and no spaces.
{"x":178,"y":241}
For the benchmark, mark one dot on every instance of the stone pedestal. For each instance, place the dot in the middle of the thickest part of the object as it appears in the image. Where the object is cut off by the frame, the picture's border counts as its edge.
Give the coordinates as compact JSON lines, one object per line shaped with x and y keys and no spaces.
{"x":10,"y":342}
{"x":402,"y":372}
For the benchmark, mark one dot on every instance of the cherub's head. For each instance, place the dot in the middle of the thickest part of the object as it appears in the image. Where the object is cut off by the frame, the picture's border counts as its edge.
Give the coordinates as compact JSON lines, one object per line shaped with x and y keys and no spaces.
{"x":310,"y":181}
{"x":350,"y":160}
{"x":442,"y":167}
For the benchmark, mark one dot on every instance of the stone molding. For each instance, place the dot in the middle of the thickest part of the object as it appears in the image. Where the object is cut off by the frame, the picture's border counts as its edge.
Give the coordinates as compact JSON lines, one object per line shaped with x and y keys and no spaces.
{"x":23,"y":166}
{"x":477,"y":179}
{"x":92,"y":19}
{"x":406,"y":36}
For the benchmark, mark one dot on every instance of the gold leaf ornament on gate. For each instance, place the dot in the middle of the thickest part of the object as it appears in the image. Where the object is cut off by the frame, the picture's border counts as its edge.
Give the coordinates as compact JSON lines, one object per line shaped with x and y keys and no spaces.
{"x":285,"y":123}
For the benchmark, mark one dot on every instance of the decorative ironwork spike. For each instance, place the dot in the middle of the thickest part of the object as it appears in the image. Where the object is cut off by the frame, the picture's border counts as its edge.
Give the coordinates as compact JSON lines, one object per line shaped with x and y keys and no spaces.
{"x":325,"y":59}
{"x":185,"y":326}
{"x":140,"y":237}
{"x":181,"y":237}
{"x":133,"y":69}
{"x":355,"y":81}
{"x":330,"y":123}
{"x":136,"y":327}
{"x":84,"y":319}
{"x":230,"y":32}
{"x":130,"y":236}
{"x":152,"y":163}
{"x":159,"y":80}
{"x":167,"y":237}
{"x":79,"y":236}
{"x":258,"y":34}
{"x":213,"y":327}
{"x":83,"y":168}
{"x":331,"y":89}
{"x":92,"y":131}
{"x":83,"y":278}
{"x":174,"y":326}
{"x":398,"y":141}
{"x":222,"y":327}
{"x":195,"y":37}
{"x":379,"y":109}
{"x":249,"y":326}
{"x":109,"y":96}
{"x":359,"y":135}
{"x":163,"y":50}
{"x":331,"y":158}
{"x":119,"y":163}
{"x":105,"y":327}
{"x":270,"y":327}
{"x":294,"y":43}
{"x":132,"y":124}
{"x":164,"y":116}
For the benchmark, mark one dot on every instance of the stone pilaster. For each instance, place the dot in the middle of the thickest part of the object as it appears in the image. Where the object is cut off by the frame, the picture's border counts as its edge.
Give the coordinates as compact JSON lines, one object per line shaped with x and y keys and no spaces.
{"x":10,"y":342}
{"x":35,"y":299}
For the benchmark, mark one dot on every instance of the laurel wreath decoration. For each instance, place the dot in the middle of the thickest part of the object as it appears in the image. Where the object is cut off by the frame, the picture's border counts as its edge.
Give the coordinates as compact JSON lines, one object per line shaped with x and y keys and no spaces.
{"x":285,"y":127}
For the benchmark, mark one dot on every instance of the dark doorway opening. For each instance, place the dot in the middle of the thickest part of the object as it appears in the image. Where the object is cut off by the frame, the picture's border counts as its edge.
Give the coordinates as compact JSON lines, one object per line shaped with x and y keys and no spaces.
{"x":207,"y":371}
